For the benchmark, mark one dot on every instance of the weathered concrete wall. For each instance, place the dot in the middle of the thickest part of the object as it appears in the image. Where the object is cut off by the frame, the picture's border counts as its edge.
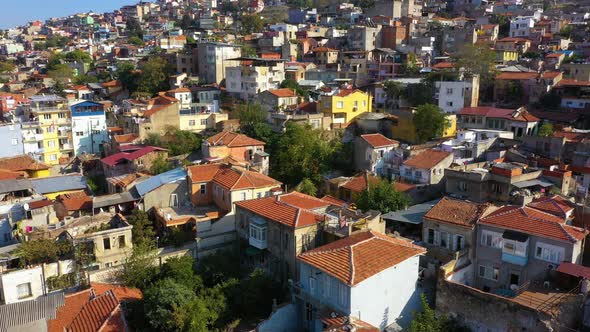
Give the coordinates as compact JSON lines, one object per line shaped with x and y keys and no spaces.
{"x":284,"y":319}
{"x":482,"y":311}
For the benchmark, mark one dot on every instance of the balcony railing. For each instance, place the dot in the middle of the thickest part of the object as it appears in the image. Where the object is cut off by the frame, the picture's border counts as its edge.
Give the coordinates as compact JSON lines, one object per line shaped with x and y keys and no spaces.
{"x":514,"y":259}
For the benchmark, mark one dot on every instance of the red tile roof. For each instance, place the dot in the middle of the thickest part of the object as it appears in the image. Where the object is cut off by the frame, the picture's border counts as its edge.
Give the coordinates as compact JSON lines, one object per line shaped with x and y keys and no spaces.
{"x":378,"y":140}
{"x":575,"y":270}
{"x":94,"y":313}
{"x":572,"y":82}
{"x":323,"y":50}
{"x":125,"y":138}
{"x":426,"y":159}
{"x":358,"y":183}
{"x":360,"y":256}
{"x":513,"y":39}
{"x":39,"y":204}
{"x":21,"y":163}
{"x":116,"y":158}
{"x":73,"y":303}
{"x":346,"y":92}
{"x":504,"y":113}
{"x":333,"y":200}
{"x":303,"y":201}
{"x":283,"y":93}
{"x":282,"y":212}
{"x":535,"y":222}
{"x":344,"y":323}
{"x":230,"y":178}
{"x":456,"y":212}
{"x":231,"y":139}
{"x":444,"y":65}
{"x":517,"y":76}
{"x":6,"y":174}
{"x":75,"y":201}
{"x":550,"y":74}
{"x":121,"y":292}
{"x":555,"y":205}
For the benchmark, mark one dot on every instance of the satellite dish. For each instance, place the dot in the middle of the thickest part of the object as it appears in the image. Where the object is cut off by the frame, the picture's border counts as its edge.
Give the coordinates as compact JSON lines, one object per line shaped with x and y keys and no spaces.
{"x":26,"y":206}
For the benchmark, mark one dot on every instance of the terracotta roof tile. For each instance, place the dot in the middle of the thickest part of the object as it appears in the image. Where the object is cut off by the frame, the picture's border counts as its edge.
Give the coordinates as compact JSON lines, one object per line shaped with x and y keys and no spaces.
{"x":232,"y":139}
{"x":457,"y":212}
{"x":39,"y":204}
{"x":492,"y":112}
{"x":230,"y":178}
{"x":94,"y":313}
{"x":444,"y":65}
{"x":346,"y":92}
{"x":360,"y":256}
{"x":283,"y":93}
{"x":204,"y":173}
{"x":6,"y":174}
{"x":426,"y":159}
{"x":121,"y":292}
{"x":21,"y":163}
{"x":333,"y":200}
{"x":125,"y":138}
{"x":535,"y":222}
{"x":67,"y":313}
{"x":303,"y":201}
{"x":358,"y":183}
{"x":517,"y":76}
{"x":274,"y":209}
{"x":378,"y":140}
{"x":555,"y":205}
{"x":116,"y":158}
{"x":75,"y":201}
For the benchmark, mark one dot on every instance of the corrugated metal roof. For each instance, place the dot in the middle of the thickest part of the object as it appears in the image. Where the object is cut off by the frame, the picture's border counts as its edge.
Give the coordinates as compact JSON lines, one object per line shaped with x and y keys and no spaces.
{"x":159,"y":180}
{"x":11,"y":185}
{"x":42,"y":308}
{"x":110,"y":200}
{"x":59,"y":183}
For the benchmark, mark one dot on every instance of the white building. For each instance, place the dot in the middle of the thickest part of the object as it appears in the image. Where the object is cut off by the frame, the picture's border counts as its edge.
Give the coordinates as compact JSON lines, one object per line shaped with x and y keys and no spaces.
{"x":89,"y":128}
{"x":248,"y":81}
{"x":21,"y":285}
{"x":214,"y":58}
{"x":380,"y":292}
{"x":454,"y":95}
{"x":521,"y":26}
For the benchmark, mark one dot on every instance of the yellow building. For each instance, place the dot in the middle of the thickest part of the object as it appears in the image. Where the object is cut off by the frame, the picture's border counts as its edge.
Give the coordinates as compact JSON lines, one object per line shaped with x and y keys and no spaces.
{"x":48,"y":135}
{"x":344,"y":106}
{"x":405,"y":130}
{"x":505,"y":56}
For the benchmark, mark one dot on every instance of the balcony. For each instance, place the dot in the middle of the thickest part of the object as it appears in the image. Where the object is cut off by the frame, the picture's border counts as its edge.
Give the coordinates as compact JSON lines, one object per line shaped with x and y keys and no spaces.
{"x":514,"y":248}
{"x":514,"y":259}
{"x":33,"y":138}
{"x":258,"y":233}
{"x":65,"y":147}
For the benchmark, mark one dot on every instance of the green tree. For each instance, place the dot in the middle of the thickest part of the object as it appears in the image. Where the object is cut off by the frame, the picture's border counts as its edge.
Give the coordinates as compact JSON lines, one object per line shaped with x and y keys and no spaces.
{"x":300,"y":153}
{"x":429,"y":121}
{"x":393,"y":90}
{"x":427,"y":320}
{"x":252,"y":23}
{"x":61,"y":73}
{"x":160,"y":165}
{"x":43,"y":251}
{"x":79,"y":56}
{"x":546,"y":130}
{"x":514,"y":92}
{"x":185,"y":22}
{"x":128,"y":75}
{"x":181,"y":269}
{"x":183,"y":142}
{"x":382,"y":196}
{"x":477,"y":60}
{"x":308,"y":187}
{"x":85,"y":78}
{"x":364,"y":4}
{"x":419,"y":93}
{"x":143,"y":231}
{"x":154,"y":76}
{"x":293,"y":85}
{"x":219,"y":267}
{"x":566,"y":31}
{"x":248,"y":51}
{"x":7,"y":67}
{"x":165,"y":304}
{"x":135,"y":41}
{"x":133,"y":27}
{"x":139,"y":269}
{"x":253,"y":121}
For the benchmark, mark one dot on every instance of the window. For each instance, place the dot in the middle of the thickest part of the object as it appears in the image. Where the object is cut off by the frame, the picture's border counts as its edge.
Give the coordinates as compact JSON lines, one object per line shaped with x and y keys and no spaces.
{"x":449,"y":103}
{"x":418,"y":174}
{"x":203,"y":122}
{"x":243,"y":196}
{"x":444,"y":239}
{"x":51,"y":129}
{"x":14,"y":141}
{"x":364,"y":103}
{"x":459,"y":242}
{"x":462,"y":186}
{"x":340,"y":104}
{"x":356,"y":103}
{"x":51,"y":144}
{"x":491,"y":239}
{"x":61,"y":115}
{"x":53,"y":157}
{"x":47,"y":116}
{"x":203,"y":189}
{"x":191,"y":122}
{"x":549,"y":253}
{"x":24,"y":290}
{"x":449,"y":91}
{"x":258,"y":195}
{"x":258,"y":232}
{"x":514,"y":248}
{"x":489,"y":272}
{"x":312,"y":284}
{"x":106,"y":243}
{"x":79,"y":133}
{"x":121,"y":241}
{"x":286,"y":243}
{"x":430,"y":238}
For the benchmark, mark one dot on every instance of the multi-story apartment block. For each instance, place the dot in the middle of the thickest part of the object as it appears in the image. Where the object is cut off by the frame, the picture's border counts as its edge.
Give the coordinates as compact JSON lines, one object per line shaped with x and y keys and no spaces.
{"x":521,"y":26}
{"x":89,"y":127}
{"x":246,"y":81}
{"x":12,"y":138}
{"x":452,"y":96}
{"x":343,"y":106}
{"x":214,"y":58}
{"x":48,"y":132}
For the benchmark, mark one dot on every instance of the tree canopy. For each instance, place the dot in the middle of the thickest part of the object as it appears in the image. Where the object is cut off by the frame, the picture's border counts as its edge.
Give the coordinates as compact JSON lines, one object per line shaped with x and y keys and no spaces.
{"x":154,"y":76}
{"x":61,"y":73}
{"x":178,"y":142}
{"x":143,"y":230}
{"x":429,"y":121}
{"x":293,"y":85}
{"x":7,"y":67}
{"x":43,"y":251}
{"x":79,"y":56}
{"x":252,"y":23}
{"x":476,"y":59}
{"x":160,"y":165}
{"x":382,"y":196}
{"x":546,"y":130}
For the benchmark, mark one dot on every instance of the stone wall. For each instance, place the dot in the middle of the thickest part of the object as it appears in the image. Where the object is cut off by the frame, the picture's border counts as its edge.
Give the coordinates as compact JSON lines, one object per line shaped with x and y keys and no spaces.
{"x":481,"y":311}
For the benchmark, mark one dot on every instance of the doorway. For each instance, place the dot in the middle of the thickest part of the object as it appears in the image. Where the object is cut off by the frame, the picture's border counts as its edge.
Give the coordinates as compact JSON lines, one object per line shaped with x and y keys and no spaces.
{"x":514,"y":278}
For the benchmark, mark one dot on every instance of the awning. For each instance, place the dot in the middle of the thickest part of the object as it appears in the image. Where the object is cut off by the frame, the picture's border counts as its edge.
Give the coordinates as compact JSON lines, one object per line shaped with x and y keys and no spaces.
{"x":574,"y":270}
{"x":531,"y":183}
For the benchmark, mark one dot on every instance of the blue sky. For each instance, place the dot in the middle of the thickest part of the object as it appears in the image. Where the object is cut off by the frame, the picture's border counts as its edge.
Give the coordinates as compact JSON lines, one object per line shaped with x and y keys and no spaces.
{"x":19,"y":12}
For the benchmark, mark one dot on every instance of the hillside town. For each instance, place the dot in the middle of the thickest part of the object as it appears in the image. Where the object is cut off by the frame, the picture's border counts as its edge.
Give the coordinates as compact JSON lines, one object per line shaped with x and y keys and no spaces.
{"x":298,"y":165}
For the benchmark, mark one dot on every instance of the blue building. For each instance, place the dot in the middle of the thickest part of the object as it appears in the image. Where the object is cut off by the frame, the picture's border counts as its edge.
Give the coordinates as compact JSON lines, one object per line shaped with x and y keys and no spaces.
{"x":11,"y":137}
